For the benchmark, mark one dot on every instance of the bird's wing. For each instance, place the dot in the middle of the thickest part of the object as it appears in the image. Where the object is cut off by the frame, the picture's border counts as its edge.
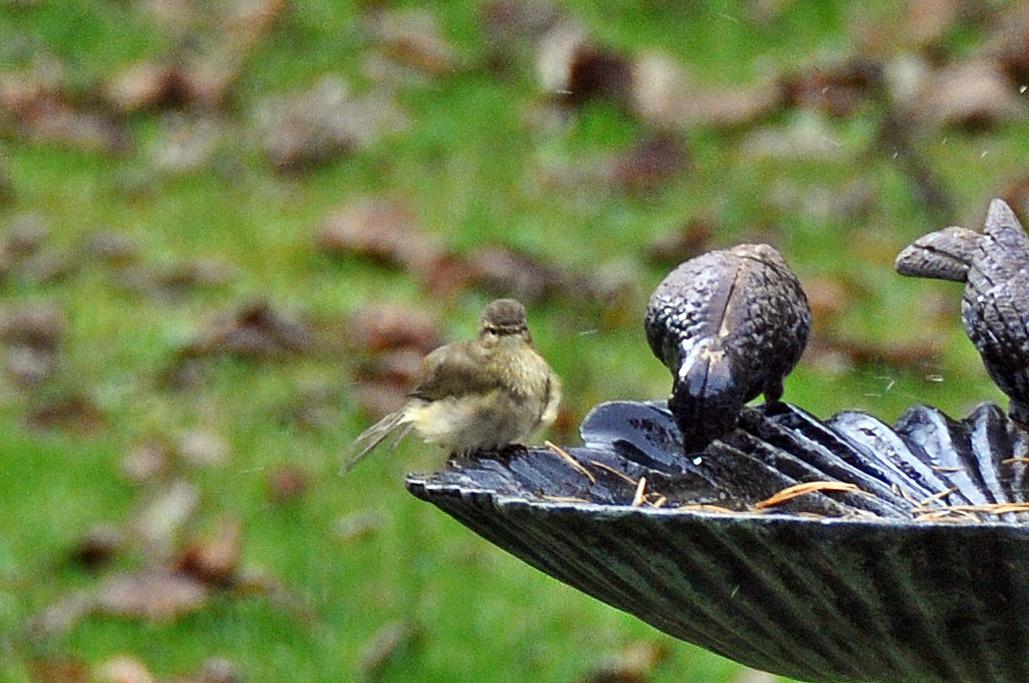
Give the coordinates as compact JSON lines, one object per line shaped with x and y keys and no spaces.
{"x":453,"y":370}
{"x":552,"y":400}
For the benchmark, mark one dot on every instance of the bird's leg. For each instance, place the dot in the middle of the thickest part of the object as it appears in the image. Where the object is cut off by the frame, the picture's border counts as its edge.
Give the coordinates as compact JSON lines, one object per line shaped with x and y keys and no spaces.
{"x":1019,"y":413}
{"x":510,"y":450}
{"x":773,"y":392}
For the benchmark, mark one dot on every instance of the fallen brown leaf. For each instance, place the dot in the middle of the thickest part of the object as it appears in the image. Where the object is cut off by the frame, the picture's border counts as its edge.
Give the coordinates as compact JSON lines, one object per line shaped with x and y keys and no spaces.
{"x":512,"y":26}
{"x":215,"y":670}
{"x":838,"y":90}
{"x":73,"y":412}
{"x":574,"y":70}
{"x":24,"y":235}
{"x":301,"y":130}
{"x":287,"y":483}
{"x":123,"y":669}
{"x":60,"y":670}
{"x":636,"y":663}
{"x":32,"y":335}
{"x":413,"y":38}
{"x":665,"y":96}
{"x":382,"y":229}
{"x":384,"y":327}
{"x":215,"y":560}
{"x":98,"y":547}
{"x":146,"y":461}
{"x":394,"y":640}
{"x":974,"y":95}
{"x":358,"y":526}
{"x":147,"y":85}
{"x":504,"y":271}
{"x":186,"y":144}
{"x":650,"y":164}
{"x":40,"y":110}
{"x":1009,"y":43}
{"x":202,"y":448}
{"x":159,"y":519}
{"x":690,"y":239}
{"x":401,"y":367}
{"x":154,"y":594}
{"x":176,"y":281}
{"x":112,"y":247}
{"x":256,"y":330}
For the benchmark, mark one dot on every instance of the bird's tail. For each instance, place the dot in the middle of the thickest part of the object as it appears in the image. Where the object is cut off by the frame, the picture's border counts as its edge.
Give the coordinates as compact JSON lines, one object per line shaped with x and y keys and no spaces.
{"x":394,"y":426}
{"x":705,"y":398}
{"x":944,"y":255}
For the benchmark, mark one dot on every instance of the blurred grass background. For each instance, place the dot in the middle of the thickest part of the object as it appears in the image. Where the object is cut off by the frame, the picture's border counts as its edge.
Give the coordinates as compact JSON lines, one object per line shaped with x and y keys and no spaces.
{"x":469,"y":166}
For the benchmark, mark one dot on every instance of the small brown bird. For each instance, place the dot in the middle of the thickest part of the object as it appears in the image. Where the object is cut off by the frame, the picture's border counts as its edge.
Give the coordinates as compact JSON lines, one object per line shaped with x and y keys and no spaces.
{"x":477,"y":394}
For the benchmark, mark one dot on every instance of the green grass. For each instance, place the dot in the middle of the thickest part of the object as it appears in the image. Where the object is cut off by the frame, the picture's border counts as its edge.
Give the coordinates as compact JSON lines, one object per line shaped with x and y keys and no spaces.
{"x":470,"y":168}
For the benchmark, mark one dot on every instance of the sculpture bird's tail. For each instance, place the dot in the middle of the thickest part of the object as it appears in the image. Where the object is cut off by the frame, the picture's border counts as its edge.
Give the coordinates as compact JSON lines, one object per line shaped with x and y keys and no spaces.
{"x":705,"y":397}
{"x":395,"y":426}
{"x":943,"y":255}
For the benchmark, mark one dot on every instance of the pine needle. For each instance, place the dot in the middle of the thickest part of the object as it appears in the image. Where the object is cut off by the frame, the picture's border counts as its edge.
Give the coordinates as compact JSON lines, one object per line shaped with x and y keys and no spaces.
{"x":567,"y":457}
{"x":789,"y":493}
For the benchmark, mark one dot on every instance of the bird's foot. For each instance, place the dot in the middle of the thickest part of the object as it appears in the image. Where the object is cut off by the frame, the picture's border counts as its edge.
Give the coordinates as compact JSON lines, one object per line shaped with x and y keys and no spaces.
{"x":508,"y":451}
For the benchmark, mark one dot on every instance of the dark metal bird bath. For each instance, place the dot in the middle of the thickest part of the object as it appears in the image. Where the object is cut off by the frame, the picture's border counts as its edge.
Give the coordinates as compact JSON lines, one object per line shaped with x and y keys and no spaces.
{"x":905,"y":557}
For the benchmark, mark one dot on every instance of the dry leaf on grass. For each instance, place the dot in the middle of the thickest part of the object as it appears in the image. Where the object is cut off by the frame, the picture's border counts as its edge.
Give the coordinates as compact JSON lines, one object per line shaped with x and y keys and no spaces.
{"x":32,"y":335}
{"x":974,"y":95}
{"x":635,"y":663}
{"x":666,"y":97}
{"x":256,"y":330}
{"x":413,"y":38}
{"x":503,"y":271}
{"x":111,"y":247}
{"x":215,"y":560}
{"x":160,"y":518}
{"x":392,"y":641}
{"x":97,"y":547}
{"x":73,"y":412}
{"x":382,"y":229}
{"x":384,"y":327}
{"x":202,"y":448}
{"x":574,"y":70}
{"x":653,"y":162}
{"x":60,"y":670}
{"x":287,"y":483}
{"x":301,"y":130}
{"x":838,"y":90}
{"x":146,"y":461}
{"x":123,"y":669}
{"x":690,"y":239}
{"x":358,"y":526}
{"x":155,"y":594}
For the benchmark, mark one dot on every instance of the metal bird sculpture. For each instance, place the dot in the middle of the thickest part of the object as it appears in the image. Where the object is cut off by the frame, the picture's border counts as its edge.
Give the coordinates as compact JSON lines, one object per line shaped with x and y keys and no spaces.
{"x":730,"y":325}
{"x":994,"y":265}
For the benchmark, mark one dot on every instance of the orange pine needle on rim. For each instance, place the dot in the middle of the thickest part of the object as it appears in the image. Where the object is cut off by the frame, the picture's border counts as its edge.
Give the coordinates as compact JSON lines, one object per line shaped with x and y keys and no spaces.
{"x":798,"y":490}
{"x":637,"y":500}
{"x":621,"y":475}
{"x":567,"y":457}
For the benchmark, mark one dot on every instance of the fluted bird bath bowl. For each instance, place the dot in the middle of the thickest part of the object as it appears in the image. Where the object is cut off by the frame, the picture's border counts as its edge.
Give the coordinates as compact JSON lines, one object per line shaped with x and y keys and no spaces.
{"x":837,"y":550}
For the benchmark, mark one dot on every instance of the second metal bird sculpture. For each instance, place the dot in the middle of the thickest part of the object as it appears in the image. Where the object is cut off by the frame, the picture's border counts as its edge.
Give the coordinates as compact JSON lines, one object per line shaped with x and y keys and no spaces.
{"x":730,"y":325}
{"x":477,"y":394}
{"x":994,"y":266}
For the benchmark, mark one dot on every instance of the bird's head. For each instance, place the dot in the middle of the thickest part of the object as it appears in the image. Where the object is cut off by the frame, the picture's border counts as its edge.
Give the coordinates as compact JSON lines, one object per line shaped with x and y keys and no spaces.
{"x":504,"y":322}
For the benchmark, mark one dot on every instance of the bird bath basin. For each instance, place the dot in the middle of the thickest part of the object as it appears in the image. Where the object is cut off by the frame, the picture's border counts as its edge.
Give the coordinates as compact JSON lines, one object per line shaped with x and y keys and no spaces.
{"x":837,"y":550}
